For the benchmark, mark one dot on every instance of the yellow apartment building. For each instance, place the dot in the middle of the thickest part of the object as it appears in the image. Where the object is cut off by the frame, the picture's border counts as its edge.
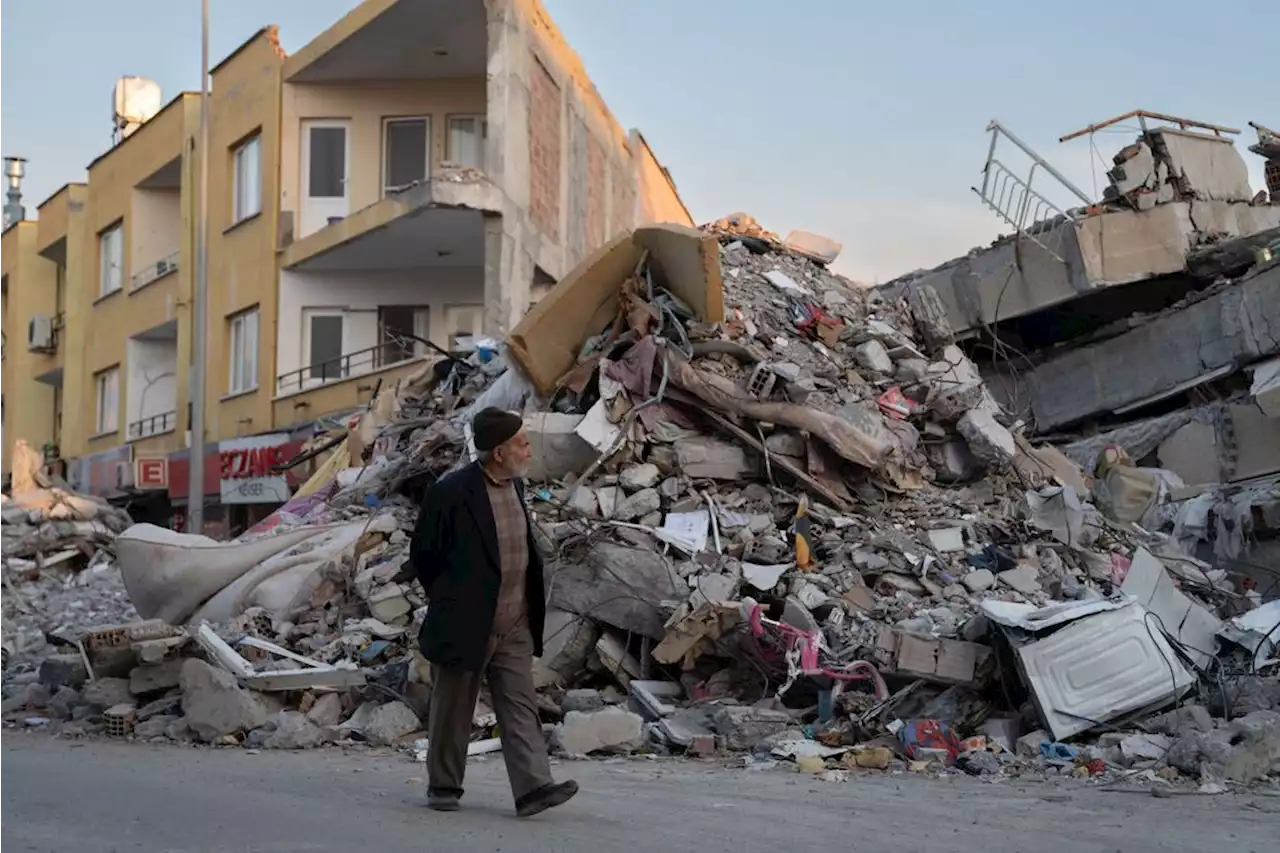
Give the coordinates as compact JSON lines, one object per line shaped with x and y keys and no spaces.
{"x":415,"y":176}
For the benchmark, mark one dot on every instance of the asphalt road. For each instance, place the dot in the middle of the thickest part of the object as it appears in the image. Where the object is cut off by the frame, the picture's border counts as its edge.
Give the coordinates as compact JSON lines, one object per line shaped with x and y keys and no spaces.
{"x":94,"y":797}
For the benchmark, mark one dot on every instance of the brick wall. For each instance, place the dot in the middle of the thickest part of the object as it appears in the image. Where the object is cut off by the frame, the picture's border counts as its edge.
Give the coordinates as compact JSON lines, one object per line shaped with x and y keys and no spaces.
{"x":624,"y":199}
{"x":596,"y":189}
{"x":544,"y":151}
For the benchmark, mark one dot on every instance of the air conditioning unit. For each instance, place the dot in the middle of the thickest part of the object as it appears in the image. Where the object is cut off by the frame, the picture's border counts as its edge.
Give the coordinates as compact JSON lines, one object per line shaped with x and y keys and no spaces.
{"x":40,"y":333}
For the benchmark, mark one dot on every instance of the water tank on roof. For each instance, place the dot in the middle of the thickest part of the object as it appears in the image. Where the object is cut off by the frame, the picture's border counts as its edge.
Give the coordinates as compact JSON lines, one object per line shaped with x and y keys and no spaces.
{"x":133,"y":102}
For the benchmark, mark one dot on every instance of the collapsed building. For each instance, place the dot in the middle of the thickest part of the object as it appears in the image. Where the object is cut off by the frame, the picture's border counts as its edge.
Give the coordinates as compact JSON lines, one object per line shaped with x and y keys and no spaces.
{"x":1146,"y":319}
{"x":783,"y":516}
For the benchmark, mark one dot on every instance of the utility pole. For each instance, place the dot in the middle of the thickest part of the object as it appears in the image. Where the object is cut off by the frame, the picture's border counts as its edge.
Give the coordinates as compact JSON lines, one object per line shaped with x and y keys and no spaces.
{"x":200,"y":345}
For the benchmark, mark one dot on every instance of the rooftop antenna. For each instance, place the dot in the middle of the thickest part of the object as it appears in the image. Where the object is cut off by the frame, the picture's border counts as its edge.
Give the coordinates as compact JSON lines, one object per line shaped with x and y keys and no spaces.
{"x":15,"y":168}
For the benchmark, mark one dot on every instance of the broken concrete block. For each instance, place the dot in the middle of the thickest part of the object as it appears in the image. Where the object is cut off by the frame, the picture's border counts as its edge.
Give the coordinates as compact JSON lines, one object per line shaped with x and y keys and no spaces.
{"x":214,"y":704}
{"x":295,"y":731}
{"x":155,"y":727}
{"x":63,"y":671}
{"x":327,"y":711}
{"x":607,"y":730}
{"x":787,"y":443}
{"x":1025,"y":579}
{"x":640,"y":504}
{"x":930,"y":315}
{"x":106,"y":692}
{"x":154,"y":677}
{"x":874,"y":357}
{"x":1182,"y":721}
{"x":743,"y":727}
{"x":389,"y":603}
{"x":639,"y":477}
{"x":952,"y":460}
{"x":609,"y":497}
{"x":946,"y":539}
{"x":618,"y":586}
{"x":558,"y":451}
{"x":1256,"y":753}
{"x":567,"y":641}
{"x":988,"y":439}
{"x":911,"y":371}
{"x":979,"y":580}
{"x":389,"y":722}
{"x":1201,"y":753}
{"x":63,"y":702}
{"x":583,"y":700}
{"x":1028,"y":746}
{"x":710,"y":458}
{"x":584,"y":501}
{"x":1145,"y":747}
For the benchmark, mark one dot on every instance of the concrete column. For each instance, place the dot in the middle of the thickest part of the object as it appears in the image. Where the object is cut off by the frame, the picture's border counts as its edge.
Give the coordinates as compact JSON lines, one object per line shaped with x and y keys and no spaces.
{"x":508,"y":275}
{"x":507,"y":93}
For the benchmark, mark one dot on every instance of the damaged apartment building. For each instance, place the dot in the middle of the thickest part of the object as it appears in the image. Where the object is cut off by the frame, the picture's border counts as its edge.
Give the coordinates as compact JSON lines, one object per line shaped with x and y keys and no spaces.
{"x":1148,"y":320}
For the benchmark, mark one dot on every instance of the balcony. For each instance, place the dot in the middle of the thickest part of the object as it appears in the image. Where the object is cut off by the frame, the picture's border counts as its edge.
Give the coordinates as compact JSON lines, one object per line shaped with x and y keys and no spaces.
{"x":154,"y":425}
{"x":350,"y":365}
{"x":341,"y":384}
{"x":153,"y":272}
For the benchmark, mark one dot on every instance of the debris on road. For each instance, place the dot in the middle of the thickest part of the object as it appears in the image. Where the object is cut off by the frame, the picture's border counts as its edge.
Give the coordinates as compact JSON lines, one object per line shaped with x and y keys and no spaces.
{"x":781,"y":515}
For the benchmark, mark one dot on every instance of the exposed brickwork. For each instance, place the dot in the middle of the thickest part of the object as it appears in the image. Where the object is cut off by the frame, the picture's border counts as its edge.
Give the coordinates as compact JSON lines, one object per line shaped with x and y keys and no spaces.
{"x":544,"y":151}
{"x":620,"y":216}
{"x":576,"y":221}
{"x":596,"y":189}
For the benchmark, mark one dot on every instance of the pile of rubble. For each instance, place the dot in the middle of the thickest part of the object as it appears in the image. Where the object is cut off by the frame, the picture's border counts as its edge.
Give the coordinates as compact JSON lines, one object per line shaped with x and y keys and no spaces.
{"x":782,"y":516}
{"x":58,"y":573}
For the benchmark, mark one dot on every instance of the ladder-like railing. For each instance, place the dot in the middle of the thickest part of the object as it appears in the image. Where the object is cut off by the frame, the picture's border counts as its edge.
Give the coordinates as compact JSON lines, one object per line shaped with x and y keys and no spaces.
{"x":1016,"y":202}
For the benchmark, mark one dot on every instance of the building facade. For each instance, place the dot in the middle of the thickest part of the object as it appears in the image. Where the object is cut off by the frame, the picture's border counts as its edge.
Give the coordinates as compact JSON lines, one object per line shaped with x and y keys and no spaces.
{"x":415,"y":177}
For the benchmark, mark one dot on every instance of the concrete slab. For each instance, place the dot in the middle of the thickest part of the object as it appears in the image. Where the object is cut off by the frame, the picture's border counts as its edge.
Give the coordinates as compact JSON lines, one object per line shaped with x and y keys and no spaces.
{"x":1237,"y":325}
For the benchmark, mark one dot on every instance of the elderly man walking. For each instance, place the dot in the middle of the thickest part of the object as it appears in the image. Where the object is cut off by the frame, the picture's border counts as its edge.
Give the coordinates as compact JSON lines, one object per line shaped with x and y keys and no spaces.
{"x":474,"y":553}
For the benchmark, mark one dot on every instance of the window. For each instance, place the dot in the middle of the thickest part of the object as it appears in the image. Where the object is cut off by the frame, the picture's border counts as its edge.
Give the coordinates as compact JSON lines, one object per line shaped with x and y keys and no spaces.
{"x":463,"y":323}
{"x":246,"y":192}
{"x":467,"y":135}
{"x":107,"y":401}
{"x":110,"y":260}
{"x":324,"y":345}
{"x":327,"y":161}
{"x":244,"y":352}
{"x":404,"y":152}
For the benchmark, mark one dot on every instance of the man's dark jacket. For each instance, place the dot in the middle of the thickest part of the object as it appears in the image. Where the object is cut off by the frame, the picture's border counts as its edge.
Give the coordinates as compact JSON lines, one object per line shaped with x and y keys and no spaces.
{"x":455,"y":553}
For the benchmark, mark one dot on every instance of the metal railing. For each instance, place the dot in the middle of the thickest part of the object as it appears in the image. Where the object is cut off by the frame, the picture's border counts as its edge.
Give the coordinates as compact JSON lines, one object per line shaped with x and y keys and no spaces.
{"x":346,"y":366}
{"x":1012,"y":198}
{"x":151,"y":272}
{"x":154,"y":425}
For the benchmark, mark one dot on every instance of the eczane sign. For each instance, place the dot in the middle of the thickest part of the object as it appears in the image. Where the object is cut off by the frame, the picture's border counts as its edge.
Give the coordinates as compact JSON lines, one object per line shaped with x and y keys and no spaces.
{"x":246,"y":469}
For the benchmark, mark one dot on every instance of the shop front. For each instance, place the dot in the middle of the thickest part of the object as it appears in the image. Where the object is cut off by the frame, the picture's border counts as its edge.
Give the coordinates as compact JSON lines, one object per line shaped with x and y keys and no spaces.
{"x":242,"y":481}
{"x":136,"y":484}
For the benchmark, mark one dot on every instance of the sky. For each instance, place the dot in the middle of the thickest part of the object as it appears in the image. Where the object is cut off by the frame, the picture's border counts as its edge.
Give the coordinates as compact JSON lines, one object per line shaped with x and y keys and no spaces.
{"x":862,"y":122}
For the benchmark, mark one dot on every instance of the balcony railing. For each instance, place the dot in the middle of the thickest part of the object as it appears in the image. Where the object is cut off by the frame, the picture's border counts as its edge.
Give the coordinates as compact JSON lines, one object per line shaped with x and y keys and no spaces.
{"x":151,"y":272}
{"x":154,"y":425}
{"x":345,"y":366}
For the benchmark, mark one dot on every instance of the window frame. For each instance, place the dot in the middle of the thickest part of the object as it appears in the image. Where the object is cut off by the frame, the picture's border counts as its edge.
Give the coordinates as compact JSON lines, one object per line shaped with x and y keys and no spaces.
{"x":450,"y":153}
{"x":100,"y":397}
{"x":115,"y":234}
{"x":309,"y":314}
{"x":387,"y":121}
{"x":248,"y":373}
{"x":240,"y":211}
